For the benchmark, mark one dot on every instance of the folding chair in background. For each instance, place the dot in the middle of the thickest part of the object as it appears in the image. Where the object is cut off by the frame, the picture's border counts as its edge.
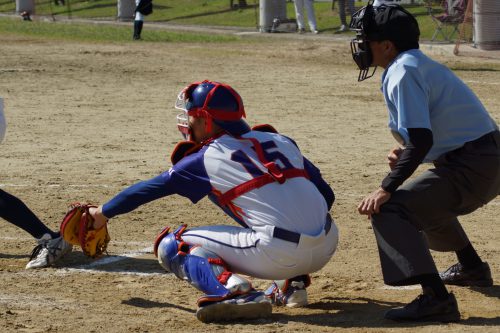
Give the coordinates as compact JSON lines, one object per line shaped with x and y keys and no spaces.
{"x":448,"y":22}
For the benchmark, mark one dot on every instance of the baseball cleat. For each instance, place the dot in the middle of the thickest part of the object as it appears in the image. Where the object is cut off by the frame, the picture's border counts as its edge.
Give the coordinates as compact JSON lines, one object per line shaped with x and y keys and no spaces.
{"x":427,"y":307}
{"x":458,"y":275}
{"x":47,"y":252}
{"x":249,"y":306}
{"x":292,"y":294}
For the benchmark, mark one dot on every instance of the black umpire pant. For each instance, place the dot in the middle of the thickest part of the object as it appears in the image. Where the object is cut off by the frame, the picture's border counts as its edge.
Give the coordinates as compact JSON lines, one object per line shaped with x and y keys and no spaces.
{"x":422,"y":214}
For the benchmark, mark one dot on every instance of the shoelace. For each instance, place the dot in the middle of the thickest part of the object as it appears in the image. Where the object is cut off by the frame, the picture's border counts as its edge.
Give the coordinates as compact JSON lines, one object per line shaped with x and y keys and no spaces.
{"x":455,"y":268}
{"x":52,"y":250}
{"x":36,"y":251}
{"x":421,"y":299}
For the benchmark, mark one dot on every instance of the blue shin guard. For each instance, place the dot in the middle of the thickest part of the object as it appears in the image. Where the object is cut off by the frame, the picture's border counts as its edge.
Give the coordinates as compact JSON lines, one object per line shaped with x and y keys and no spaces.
{"x":201,"y":268}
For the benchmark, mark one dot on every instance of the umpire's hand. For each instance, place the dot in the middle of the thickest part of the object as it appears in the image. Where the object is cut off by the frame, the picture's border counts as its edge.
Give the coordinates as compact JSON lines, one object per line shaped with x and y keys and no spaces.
{"x":371,"y":204}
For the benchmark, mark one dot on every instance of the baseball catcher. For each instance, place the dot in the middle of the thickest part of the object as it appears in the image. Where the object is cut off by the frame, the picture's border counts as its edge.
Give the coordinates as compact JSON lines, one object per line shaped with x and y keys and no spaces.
{"x":257,"y":177}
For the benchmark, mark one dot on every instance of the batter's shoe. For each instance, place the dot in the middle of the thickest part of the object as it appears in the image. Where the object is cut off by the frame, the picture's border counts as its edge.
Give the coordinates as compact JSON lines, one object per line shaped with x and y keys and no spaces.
{"x":26,"y":16}
{"x":290,"y":293}
{"x":343,"y":28}
{"x":253,"y":305}
{"x":137,"y":30}
{"x":458,"y":275}
{"x":47,"y":252}
{"x":427,"y":307}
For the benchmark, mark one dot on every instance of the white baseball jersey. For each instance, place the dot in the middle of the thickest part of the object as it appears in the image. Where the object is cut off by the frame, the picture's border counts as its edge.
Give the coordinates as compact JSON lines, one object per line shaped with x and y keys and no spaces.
{"x":296,"y":205}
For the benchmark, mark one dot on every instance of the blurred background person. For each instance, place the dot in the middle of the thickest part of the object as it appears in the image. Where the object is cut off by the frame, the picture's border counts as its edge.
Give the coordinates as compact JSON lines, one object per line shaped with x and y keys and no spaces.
{"x":299,"y":14}
{"x":143,"y":8}
{"x":342,"y":7}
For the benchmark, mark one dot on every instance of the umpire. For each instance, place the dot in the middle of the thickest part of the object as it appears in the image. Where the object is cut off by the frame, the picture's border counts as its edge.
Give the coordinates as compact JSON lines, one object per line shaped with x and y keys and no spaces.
{"x":436,"y":118}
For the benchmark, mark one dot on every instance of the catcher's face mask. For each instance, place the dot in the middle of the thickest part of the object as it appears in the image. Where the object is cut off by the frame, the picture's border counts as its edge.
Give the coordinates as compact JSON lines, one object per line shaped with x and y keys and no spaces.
{"x":183,"y":118}
{"x":360,"y":46}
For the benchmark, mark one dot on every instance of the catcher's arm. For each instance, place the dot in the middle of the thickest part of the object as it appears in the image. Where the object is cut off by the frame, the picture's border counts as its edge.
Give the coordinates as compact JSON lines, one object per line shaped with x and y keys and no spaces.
{"x":99,"y":219}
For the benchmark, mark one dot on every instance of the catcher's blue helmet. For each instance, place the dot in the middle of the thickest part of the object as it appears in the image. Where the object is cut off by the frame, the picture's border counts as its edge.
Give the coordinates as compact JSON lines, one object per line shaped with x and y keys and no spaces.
{"x":216,"y":102}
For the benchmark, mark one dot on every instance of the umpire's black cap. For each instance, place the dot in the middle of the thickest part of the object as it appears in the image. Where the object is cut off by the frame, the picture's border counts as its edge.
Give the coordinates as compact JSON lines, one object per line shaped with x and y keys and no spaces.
{"x":394,"y":23}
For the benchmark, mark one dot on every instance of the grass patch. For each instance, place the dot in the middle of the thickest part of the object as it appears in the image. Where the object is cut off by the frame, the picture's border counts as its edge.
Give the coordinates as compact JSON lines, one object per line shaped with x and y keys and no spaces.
{"x":205,"y":12}
{"x":101,"y":32}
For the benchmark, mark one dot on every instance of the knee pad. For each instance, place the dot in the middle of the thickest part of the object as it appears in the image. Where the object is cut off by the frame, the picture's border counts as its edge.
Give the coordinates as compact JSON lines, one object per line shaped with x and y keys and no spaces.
{"x":202,"y":268}
{"x":167,"y":247}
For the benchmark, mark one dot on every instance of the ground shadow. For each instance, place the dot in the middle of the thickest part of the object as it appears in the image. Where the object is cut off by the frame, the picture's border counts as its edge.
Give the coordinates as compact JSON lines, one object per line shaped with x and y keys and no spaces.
{"x":205,"y":14}
{"x":148,"y":304}
{"x":493,"y":291}
{"x":480,"y":69}
{"x":363,"y":312}
{"x":76,"y":10}
{"x":13,"y":256}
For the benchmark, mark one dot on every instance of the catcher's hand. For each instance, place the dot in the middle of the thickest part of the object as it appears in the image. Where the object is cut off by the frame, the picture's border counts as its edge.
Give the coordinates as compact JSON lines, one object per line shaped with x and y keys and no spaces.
{"x":77,"y":228}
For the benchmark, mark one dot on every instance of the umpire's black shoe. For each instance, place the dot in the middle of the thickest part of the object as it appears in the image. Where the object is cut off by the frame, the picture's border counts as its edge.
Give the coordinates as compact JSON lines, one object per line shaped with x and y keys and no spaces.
{"x":458,"y":275}
{"x":427,"y":307}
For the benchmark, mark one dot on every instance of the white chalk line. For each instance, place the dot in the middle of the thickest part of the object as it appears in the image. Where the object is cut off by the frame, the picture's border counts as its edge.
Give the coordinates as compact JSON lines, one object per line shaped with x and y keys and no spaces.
{"x":412,"y":287}
{"x":115,"y":258}
{"x":93,"y":267}
{"x":135,"y":243}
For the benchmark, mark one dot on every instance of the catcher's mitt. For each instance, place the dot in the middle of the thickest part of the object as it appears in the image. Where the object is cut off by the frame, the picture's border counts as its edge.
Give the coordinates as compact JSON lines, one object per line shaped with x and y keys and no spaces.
{"x":78,"y":229}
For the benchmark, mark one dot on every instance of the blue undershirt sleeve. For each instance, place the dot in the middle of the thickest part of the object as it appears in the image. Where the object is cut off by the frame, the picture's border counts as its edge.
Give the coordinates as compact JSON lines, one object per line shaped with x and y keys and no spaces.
{"x":187,"y":178}
{"x":137,"y":195}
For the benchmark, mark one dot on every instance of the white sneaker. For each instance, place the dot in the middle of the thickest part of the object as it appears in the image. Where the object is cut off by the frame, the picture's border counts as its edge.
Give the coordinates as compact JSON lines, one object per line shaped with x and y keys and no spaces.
{"x":48,"y":252}
{"x":315,"y":31}
{"x":292,"y":294}
{"x":343,"y":28}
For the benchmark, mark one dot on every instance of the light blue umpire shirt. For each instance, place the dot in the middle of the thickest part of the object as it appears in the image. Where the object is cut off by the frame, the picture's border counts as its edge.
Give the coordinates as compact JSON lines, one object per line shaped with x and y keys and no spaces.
{"x":422,"y":93}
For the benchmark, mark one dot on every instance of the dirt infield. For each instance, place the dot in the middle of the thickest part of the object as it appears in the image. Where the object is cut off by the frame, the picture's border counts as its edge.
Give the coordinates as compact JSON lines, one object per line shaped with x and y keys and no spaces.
{"x":86,"y":120}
